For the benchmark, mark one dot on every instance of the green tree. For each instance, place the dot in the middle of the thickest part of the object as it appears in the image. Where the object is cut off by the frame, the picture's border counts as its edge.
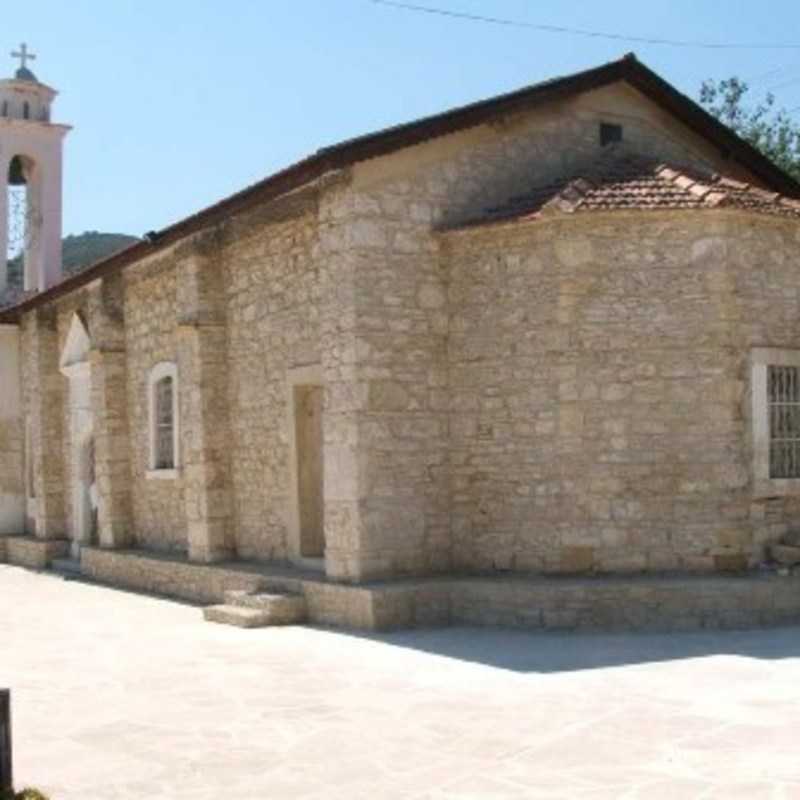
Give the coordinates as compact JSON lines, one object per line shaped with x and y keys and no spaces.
{"x":771,"y":130}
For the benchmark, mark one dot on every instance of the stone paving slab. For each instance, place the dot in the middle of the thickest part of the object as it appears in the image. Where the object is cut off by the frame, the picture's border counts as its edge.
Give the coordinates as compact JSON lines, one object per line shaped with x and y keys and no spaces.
{"x":123,"y":696}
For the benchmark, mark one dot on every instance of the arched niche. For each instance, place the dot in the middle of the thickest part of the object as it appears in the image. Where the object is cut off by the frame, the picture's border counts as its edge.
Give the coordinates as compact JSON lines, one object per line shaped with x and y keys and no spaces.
{"x":76,"y":347}
{"x":74,"y":365}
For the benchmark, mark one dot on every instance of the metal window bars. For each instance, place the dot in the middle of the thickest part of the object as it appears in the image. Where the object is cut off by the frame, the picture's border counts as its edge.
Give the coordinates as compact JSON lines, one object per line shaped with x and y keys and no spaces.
{"x":783,"y":394}
{"x":165,"y":425}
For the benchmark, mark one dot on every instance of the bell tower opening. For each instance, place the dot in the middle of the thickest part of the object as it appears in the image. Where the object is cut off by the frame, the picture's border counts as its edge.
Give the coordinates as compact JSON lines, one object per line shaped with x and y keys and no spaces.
{"x":20,"y":224}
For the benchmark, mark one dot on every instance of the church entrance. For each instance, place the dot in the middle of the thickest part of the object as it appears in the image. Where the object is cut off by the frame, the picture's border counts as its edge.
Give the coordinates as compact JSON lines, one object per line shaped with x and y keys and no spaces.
{"x":81,"y":464}
{"x":307,"y":498}
{"x":84,"y":500}
{"x":308,"y":433}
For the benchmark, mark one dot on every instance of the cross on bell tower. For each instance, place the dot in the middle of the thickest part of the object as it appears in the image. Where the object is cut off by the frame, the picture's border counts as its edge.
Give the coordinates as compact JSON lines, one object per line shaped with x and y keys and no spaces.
{"x":31,"y":148}
{"x":23,"y":55}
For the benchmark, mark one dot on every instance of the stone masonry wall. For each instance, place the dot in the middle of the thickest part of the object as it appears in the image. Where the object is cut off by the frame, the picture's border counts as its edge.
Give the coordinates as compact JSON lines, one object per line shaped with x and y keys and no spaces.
{"x":386,"y":417}
{"x":387,"y":423}
{"x":27,"y":373}
{"x":273,"y":296}
{"x":150,"y":338}
{"x":270,"y":299}
{"x":455,"y":176}
{"x":12,"y":435}
{"x":43,"y":404}
{"x":599,"y":389}
{"x":64,"y":314}
{"x":351,"y":283}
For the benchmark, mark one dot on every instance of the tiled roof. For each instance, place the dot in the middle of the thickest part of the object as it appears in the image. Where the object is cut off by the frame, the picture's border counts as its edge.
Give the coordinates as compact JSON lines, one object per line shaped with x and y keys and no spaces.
{"x":631,"y":182}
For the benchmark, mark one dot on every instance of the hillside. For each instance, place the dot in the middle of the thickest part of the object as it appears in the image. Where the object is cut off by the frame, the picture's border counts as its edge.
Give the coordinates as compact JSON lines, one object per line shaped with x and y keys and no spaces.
{"x":86,"y":248}
{"x":78,"y":252}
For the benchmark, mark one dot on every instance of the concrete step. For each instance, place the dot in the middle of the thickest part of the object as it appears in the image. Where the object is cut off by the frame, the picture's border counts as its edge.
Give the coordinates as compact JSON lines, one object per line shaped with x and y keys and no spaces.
{"x":283,"y":608}
{"x":67,"y":567}
{"x":237,"y":615}
{"x":273,"y":585}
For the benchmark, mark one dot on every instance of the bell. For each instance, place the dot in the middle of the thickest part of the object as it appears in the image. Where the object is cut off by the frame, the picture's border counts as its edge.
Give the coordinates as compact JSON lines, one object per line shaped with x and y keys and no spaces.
{"x":16,"y":172}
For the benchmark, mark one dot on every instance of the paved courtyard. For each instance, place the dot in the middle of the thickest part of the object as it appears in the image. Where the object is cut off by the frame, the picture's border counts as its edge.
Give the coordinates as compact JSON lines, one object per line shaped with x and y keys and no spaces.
{"x":118,"y":695}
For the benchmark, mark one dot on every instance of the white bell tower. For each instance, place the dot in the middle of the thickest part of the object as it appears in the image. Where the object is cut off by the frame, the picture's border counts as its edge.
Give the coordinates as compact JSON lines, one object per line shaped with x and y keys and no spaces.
{"x":31,"y":148}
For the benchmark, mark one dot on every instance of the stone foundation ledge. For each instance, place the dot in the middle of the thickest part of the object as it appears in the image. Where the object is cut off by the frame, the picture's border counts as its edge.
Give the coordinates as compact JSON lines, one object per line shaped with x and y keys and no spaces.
{"x":653,"y":603}
{"x":27,"y":551}
{"x":662,"y":603}
{"x":173,"y":576}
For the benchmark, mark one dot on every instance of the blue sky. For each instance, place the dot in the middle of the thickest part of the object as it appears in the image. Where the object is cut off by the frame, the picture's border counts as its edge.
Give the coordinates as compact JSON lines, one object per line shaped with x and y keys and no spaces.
{"x":177,"y":104}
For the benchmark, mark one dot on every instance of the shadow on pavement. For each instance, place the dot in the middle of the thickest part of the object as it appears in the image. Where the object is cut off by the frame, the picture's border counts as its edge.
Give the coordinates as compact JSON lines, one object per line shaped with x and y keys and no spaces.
{"x":548,"y":652}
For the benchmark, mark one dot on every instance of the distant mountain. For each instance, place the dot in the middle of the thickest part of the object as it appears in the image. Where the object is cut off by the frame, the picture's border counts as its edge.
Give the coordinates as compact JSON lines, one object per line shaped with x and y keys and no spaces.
{"x":83,"y":250}
{"x":78,"y":252}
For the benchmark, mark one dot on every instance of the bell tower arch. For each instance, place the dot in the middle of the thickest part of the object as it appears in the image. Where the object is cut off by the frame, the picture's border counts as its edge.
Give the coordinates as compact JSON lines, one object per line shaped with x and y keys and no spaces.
{"x":31,"y":150}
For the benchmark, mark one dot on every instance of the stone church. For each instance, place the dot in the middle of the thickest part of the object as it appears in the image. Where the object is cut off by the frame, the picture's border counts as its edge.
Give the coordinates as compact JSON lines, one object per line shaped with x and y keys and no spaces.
{"x":552,"y":332}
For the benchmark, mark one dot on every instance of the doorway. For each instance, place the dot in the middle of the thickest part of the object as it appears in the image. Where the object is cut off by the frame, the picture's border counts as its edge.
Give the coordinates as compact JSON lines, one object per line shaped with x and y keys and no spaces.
{"x":308,"y":436}
{"x":307,"y":503}
{"x":84,"y":501}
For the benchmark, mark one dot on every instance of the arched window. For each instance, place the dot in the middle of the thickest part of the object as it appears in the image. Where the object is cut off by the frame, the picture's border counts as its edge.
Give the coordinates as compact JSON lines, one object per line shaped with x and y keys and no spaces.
{"x":163,"y":409}
{"x":26,"y":110}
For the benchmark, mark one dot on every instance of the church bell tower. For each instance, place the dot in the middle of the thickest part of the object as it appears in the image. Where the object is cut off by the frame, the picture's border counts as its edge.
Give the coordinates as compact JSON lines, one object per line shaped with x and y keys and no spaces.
{"x":31,"y":148}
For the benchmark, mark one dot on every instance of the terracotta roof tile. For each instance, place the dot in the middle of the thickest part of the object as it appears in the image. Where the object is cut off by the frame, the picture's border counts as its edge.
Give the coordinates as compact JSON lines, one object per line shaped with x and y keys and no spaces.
{"x":627,"y":181}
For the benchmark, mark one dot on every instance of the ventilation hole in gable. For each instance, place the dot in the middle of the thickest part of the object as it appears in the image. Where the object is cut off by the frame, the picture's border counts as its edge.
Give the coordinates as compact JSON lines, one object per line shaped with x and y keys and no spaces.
{"x":610,"y":133}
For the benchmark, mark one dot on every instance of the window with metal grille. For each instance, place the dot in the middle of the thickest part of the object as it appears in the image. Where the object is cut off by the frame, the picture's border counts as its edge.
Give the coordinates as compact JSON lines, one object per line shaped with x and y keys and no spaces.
{"x":783,"y":398}
{"x":164,"y":424}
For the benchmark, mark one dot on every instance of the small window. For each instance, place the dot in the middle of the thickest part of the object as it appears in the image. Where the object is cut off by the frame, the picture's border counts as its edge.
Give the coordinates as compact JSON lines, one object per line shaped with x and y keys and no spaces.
{"x":5,"y":108}
{"x":165,"y":425}
{"x":163,"y":409}
{"x":783,"y":399}
{"x":26,"y":110}
{"x":610,"y":133}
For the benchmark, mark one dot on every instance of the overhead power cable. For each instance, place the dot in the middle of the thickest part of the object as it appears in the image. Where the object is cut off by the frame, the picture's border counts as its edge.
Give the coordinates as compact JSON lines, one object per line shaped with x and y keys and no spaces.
{"x":778,"y":73}
{"x":511,"y":23}
{"x":783,"y":85}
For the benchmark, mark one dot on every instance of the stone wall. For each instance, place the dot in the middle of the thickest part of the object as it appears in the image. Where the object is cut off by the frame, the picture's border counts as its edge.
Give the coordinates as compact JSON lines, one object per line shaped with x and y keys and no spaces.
{"x":618,"y":603}
{"x":27,"y":551}
{"x":345,"y":277}
{"x":27,"y":362}
{"x":234,"y":338}
{"x":272,"y":284}
{"x":43,"y":409}
{"x":12,"y":434}
{"x":661,"y":604}
{"x":387,"y":420}
{"x":150,"y":310}
{"x":456,"y":175}
{"x":599,"y":389}
{"x":65,"y":312}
